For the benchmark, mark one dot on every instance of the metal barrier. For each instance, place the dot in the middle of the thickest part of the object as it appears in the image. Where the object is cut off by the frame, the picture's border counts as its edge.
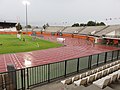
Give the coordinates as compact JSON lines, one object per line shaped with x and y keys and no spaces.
{"x":32,"y":76}
{"x":47,"y":73}
{"x":13,"y":80}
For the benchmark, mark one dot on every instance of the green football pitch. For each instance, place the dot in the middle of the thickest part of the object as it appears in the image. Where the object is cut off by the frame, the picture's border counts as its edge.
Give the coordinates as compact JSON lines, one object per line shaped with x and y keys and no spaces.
{"x":11,"y":44}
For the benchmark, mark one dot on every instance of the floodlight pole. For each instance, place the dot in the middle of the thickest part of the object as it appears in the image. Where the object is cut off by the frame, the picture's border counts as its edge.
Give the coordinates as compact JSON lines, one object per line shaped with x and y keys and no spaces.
{"x":26,"y":19}
{"x":26,"y":3}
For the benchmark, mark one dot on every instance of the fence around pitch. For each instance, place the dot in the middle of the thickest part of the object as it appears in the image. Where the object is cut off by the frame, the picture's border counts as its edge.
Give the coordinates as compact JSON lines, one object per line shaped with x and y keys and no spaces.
{"x":32,"y":76}
{"x":48,"y":72}
{"x":13,"y":80}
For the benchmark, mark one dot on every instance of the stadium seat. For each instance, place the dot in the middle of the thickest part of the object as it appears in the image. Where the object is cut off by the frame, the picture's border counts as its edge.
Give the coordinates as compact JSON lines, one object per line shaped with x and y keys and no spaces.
{"x":67,"y":81}
{"x":115,"y":68}
{"x":91,"y":78}
{"x":119,"y":66}
{"x":82,"y":81}
{"x":111,"y":64}
{"x":108,"y":65}
{"x":94,"y":71}
{"x":88,"y":73}
{"x":104,"y":72}
{"x":114,"y":77}
{"x":119,"y":61}
{"x":102,"y":82}
{"x":82,"y":75}
{"x":98,"y":75}
{"x":110,"y":70}
{"x":75,"y":78}
{"x":118,"y":72}
{"x":116,"y":62}
{"x":99,"y":69}
{"x":104,"y":67}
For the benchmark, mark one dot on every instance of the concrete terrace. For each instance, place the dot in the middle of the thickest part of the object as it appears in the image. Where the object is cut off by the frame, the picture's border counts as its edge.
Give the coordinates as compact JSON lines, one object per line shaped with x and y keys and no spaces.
{"x":59,"y":86}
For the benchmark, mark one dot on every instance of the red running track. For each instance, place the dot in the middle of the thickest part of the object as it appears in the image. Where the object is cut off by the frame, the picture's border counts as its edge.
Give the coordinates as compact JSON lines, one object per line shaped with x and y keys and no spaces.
{"x":74,"y":48}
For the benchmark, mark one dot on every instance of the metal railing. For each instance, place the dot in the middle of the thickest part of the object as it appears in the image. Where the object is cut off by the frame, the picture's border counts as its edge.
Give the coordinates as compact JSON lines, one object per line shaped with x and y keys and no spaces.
{"x":32,"y":76}
{"x":46,"y":73}
{"x":13,"y":80}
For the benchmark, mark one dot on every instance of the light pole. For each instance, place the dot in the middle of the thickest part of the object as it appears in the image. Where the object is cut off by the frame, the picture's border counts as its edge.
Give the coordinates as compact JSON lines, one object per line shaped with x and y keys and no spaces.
{"x":26,"y":3}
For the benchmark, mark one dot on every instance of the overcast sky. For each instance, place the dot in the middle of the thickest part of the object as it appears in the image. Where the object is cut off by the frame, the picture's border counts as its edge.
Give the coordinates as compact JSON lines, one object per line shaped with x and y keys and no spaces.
{"x":57,"y":12}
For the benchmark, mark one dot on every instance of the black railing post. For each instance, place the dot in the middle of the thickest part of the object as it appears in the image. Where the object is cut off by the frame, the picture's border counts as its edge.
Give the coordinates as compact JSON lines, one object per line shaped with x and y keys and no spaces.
{"x":89,"y":62}
{"x":27,"y":79}
{"x":48,"y":72}
{"x":15,"y":79}
{"x":105,"y":57}
{"x":97,"y":59}
{"x":22,"y":79}
{"x":117,"y":54}
{"x":78,"y":65}
{"x":112,"y":55}
{"x":65,"y":67}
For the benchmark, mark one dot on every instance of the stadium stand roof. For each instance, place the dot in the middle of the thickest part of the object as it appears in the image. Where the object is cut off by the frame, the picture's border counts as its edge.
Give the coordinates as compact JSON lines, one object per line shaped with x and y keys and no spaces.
{"x":7,"y":24}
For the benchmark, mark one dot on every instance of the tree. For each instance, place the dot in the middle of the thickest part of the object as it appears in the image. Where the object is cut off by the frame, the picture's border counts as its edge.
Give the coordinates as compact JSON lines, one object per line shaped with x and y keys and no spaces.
{"x":91,"y":23}
{"x":36,"y":27}
{"x":82,"y":25}
{"x":97,"y":24}
{"x":44,"y":26}
{"x":102,"y":24}
{"x":18,"y":27}
{"x":75,"y":25}
{"x":28,"y":26}
{"x":47,"y":25}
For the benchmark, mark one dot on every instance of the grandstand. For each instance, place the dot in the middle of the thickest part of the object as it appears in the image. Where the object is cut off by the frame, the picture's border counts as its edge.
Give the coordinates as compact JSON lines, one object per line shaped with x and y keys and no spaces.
{"x":54,"y":29}
{"x":32,"y":29}
{"x":115,"y":33}
{"x":7,"y":25}
{"x":107,"y":30}
{"x":91,"y":30}
{"x":88,"y":30}
{"x":72,"y":30}
{"x":8,"y":29}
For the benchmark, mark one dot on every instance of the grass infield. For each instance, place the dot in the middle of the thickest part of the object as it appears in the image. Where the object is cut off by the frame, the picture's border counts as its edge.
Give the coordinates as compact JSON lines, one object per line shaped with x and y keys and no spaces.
{"x":11,"y":44}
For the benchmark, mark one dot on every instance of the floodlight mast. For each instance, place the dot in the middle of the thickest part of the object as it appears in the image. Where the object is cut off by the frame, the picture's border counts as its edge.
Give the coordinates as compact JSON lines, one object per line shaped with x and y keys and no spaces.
{"x":26,"y":3}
